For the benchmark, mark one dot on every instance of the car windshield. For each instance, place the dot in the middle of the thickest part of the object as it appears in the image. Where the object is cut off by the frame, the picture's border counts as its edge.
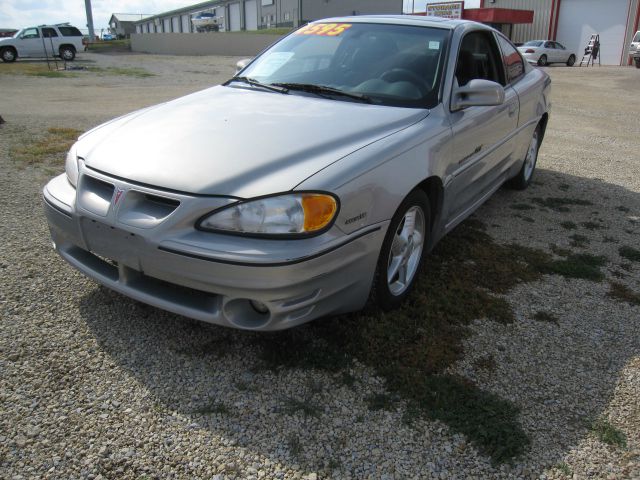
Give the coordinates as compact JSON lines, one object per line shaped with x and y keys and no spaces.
{"x":636,"y":38}
{"x":533,"y":43}
{"x":396,"y":65}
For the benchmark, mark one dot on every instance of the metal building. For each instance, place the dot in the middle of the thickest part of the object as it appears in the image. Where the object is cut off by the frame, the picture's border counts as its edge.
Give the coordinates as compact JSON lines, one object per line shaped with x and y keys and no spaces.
{"x":235,"y":15}
{"x":570,"y":22}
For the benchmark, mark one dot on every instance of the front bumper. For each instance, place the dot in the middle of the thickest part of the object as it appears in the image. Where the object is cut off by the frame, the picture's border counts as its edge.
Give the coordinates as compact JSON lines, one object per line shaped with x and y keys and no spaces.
{"x":136,"y":245}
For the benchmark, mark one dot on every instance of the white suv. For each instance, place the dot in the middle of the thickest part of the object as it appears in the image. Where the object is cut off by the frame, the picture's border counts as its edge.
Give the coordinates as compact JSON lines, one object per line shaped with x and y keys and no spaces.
{"x":43,"y":41}
{"x":634,"y":49}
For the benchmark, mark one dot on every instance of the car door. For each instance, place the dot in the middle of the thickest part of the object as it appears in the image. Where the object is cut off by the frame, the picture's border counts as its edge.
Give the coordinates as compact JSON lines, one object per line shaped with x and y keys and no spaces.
{"x":563,"y":54}
{"x":482,"y":142}
{"x":30,"y":44}
{"x":51,"y":41}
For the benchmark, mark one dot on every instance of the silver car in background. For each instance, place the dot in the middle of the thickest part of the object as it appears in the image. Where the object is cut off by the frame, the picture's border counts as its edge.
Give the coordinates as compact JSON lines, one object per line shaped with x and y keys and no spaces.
{"x":545,"y":52}
{"x":314,"y":180}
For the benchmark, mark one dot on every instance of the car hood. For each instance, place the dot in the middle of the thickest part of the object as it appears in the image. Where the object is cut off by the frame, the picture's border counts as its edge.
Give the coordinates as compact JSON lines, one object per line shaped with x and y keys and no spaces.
{"x":237,"y":141}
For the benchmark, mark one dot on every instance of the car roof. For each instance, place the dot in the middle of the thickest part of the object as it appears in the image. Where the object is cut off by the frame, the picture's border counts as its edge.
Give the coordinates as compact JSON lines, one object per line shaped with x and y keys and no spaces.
{"x":416,"y":20}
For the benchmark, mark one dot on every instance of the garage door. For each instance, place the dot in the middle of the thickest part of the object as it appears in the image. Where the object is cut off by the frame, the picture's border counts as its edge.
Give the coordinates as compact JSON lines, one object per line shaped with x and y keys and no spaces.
{"x":234,"y":17}
{"x":166,"y":25}
{"x":251,"y":15}
{"x":186,"y":23}
{"x":175,"y":24}
{"x":579,"y":19}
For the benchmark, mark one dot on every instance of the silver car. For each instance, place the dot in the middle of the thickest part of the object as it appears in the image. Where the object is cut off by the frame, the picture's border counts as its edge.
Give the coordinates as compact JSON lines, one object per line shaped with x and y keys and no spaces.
{"x":545,"y":52}
{"x":314,"y":180}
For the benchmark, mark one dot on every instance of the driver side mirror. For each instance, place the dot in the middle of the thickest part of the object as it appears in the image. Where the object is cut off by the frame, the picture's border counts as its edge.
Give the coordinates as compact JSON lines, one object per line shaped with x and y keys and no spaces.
{"x":242,"y":63}
{"x":477,"y":93}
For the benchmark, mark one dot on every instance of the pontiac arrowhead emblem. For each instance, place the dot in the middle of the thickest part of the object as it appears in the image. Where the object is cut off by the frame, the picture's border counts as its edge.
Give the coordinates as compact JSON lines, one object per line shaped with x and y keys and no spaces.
{"x":117,"y":195}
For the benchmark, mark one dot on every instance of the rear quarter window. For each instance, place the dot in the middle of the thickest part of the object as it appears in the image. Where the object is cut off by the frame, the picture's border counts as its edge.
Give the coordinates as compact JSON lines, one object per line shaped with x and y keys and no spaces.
{"x":513,"y":63}
{"x":70,"y":31}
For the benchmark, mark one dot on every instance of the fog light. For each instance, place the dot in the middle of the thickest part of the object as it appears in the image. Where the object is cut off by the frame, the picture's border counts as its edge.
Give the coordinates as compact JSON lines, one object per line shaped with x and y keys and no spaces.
{"x":259,"y":306}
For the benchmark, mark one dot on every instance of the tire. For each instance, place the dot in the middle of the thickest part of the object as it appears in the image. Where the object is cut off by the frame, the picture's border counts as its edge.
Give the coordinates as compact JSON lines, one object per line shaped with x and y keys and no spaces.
{"x":411,"y":225}
{"x":524,"y":176}
{"x":637,"y":62}
{"x":571,"y":61}
{"x":542,"y":61}
{"x":8,"y":54}
{"x":67,"y":53}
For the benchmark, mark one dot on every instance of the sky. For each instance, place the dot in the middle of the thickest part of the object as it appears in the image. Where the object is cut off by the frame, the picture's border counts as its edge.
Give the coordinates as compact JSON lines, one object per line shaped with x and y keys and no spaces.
{"x":25,"y":13}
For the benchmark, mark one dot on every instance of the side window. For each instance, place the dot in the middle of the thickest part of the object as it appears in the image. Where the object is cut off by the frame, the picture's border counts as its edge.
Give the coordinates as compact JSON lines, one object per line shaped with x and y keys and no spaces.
{"x":70,"y":32}
{"x":49,"y":32}
{"x":30,"y":33}
{"x":560,"y":46}
{"x":478,"y":59}
{"x":548,"y":45}
{"x":513,"y":63}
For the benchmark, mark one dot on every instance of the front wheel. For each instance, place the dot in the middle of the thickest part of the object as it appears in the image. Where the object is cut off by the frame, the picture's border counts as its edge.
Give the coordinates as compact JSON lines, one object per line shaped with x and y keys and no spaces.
{"x":571,"y":61}
{"x":8,"y":55}
{"x":67,"y":53}
{"x":402,"y":251}
{"x":542,"y":61}
{"x":524,"y":176}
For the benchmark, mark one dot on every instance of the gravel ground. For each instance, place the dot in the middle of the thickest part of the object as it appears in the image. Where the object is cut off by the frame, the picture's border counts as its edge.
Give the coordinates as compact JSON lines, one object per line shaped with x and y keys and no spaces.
{"x":94,"y":385}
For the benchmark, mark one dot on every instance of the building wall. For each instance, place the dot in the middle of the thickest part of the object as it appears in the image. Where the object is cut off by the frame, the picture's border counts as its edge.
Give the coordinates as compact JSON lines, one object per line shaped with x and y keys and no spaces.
{"x":316,"y":9}
{"x":211,"y":43}
{"x":539,"y":29}
{"x":273,"y":13}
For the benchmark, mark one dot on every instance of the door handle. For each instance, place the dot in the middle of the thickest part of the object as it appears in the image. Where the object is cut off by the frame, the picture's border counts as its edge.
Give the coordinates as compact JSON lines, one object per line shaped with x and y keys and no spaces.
{"x":513,"y":108}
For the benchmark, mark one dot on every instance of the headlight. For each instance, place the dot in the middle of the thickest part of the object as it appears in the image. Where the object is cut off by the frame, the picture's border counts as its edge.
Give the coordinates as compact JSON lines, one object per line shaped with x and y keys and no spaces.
{"x":288,"y":214}
{"x":71,"y":166}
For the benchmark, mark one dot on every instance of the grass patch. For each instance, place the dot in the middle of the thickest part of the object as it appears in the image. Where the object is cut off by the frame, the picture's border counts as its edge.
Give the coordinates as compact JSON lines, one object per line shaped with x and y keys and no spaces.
{"x":579,"y":241}
{"x":547,"y":317}
{"x":412,"y":347}
{"x":521,"y":206}
{"x":560,"y":204}
{"x":568,"y":225}
{"x":380,"y":401}
{"x":592,"y":226}
{"x":609,"y":434}
{"x":126,"y":71}
{"x":623,"y":293}
{"x":486,"y":363}
{"x":564,"y":469}
{"x":629,"y":253}
{"x":213,"y":408}
{"x":52,"y":146}
{"x":35,"y":69}
{"x":308,"y":409}
{"x":525,"y":218}
{"x":110,"y":46}
{"x":564,"y":187}
{"x":268,"y":31}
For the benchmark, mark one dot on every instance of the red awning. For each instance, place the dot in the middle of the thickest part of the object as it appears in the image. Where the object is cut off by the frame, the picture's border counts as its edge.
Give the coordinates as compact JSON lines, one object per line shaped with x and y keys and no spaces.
{"x":498,"y":15}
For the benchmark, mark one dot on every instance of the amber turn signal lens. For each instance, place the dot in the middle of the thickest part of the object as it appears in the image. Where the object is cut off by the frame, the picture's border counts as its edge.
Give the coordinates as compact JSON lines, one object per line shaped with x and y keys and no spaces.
{"x":318,"y":211}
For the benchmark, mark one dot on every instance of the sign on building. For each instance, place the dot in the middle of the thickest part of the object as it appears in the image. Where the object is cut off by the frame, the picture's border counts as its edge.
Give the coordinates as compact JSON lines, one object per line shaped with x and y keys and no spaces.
{"x":446,"y":9}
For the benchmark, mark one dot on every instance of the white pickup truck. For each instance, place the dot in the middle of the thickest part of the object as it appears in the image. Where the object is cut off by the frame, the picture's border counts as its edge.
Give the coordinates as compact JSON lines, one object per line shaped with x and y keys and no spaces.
{"x":634,"y":49}
{"x":42,"y":41}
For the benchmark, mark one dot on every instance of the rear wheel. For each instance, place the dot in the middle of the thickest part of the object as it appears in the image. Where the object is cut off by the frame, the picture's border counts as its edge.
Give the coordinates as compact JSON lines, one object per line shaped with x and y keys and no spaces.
{"x":8,"y":55}
{"x":67,"y":53}
{"x":402,"y":252}
{"x":524,"y":176}
{"x":571,"y":61}
{"x":542,"y":61}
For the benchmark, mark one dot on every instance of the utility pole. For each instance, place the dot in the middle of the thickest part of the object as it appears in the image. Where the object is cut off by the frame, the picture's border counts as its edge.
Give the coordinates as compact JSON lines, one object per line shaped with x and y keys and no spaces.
{"x":87,"y":6}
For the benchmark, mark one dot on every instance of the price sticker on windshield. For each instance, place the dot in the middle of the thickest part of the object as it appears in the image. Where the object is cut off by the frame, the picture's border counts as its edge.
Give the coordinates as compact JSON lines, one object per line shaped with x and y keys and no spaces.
{"x":324,"y":29}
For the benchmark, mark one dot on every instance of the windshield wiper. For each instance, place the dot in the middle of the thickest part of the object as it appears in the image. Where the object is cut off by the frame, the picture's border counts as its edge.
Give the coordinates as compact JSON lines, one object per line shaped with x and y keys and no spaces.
{"x":255,"y":83}
{"x":323,"y":90}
